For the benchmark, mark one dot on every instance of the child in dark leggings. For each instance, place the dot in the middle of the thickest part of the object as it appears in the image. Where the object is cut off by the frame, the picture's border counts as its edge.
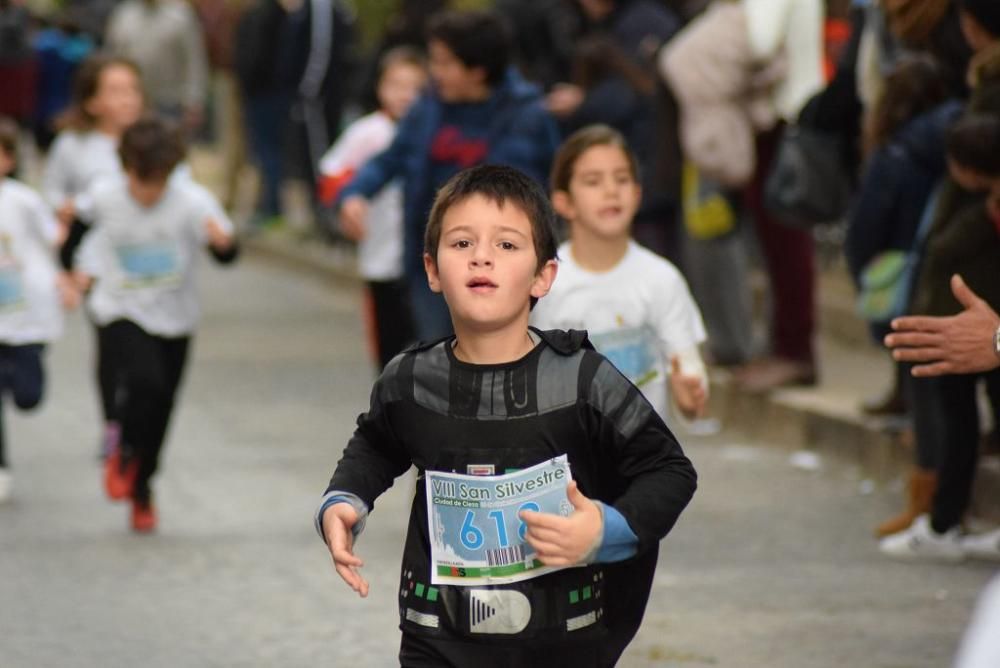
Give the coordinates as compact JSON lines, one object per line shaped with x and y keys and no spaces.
{"x":140,"y":262}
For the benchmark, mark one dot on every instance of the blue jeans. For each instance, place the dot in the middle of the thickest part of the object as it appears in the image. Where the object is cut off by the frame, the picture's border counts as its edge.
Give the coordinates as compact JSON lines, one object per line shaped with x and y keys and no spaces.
{"x":267,"y":121}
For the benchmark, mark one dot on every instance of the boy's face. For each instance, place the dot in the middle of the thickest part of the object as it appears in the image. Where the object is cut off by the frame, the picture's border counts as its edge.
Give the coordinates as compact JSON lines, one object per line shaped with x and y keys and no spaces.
{"x":118,"y":99}
{"x":146,"y":192}
{"x":603,"y":195}
{"x":486,"y":265}
{"x":454,"y":81}
{"x":399,"y":87}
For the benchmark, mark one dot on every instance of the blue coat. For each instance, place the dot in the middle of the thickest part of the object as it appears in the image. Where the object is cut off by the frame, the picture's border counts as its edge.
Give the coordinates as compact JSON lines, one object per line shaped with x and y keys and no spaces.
{"x":521,"y":134}
{"x":896,"y":186}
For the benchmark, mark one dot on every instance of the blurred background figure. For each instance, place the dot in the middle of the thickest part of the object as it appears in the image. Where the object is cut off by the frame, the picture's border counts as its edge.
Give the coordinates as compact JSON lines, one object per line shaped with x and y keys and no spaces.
{"x":18,"y":65}
{"x":164,"y":38}
{"x":296,"y":62}
{"x":402,"y":78}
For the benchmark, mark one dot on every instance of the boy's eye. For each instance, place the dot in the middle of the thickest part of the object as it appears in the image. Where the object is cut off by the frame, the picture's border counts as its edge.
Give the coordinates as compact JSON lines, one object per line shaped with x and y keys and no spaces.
{"x":506,"y":245}
{"x":462,"y":243}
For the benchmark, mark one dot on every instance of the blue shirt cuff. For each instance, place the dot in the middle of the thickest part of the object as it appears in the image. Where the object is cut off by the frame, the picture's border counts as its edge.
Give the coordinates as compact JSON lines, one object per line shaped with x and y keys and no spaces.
{"x":619,"y":542}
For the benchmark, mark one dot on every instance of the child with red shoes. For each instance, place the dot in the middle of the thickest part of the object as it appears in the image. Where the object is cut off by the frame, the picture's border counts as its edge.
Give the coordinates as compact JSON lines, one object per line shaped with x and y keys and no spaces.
{"x":140,"y":264}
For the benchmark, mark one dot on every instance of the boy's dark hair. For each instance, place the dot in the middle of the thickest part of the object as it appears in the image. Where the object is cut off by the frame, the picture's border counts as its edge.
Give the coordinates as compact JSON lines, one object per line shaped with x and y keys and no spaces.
{"x":151,"y":148}
{"x":501,"y":185}
{"x":974,"y":143}
{"x":577,"y":144}
{"x":85,"y":84}
{"x":478,"y":38}
{"x":8,"y":137}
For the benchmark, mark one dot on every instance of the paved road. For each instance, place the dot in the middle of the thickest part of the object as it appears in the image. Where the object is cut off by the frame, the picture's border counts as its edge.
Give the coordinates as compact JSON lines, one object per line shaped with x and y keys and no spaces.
{"x":772,"y":566}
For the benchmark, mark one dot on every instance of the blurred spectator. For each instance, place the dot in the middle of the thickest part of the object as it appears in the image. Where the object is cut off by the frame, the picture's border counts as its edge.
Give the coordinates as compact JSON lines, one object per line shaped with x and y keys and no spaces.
{"x":740,"y":72}
{"x":480,"y":110}
{"x":18,"y":66}
{"x":219,"y":19}
{"x":294,"y":61}
{"x":791,"y":30}
{"x":266,"y":96}
{"x":60,"y":48}
{"x":905,"y":142}
{"x":965,"y":242}
{"x":322,"y":66}
{"x":933,"y":26}
{"x":91,"y":16}
{"x":543,"y":38}
{"x":146,"y":31}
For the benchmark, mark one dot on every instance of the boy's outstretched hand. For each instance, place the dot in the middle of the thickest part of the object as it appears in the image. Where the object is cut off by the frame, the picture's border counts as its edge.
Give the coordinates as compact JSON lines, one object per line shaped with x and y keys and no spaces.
{"x":688,"y":391}
{"x":337,"y":522}
{"x":565,"y":541}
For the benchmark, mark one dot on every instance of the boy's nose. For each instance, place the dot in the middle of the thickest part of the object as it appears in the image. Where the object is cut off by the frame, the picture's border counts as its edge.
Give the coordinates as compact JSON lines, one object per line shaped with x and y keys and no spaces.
{"x":480,"y":260}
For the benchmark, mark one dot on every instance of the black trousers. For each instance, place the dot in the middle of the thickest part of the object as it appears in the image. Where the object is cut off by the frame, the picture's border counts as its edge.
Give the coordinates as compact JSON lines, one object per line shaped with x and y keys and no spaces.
{"x":150,"y":369}
{"x":957,"y":397}
{"x":393,"y":324}
{"x":23,"y":378}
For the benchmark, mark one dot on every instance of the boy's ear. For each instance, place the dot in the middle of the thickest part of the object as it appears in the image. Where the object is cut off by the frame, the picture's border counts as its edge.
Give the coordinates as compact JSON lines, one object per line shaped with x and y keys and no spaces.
{"x":562,"y":204}
{"x":544,"y":279}
{"x":430,"y":266}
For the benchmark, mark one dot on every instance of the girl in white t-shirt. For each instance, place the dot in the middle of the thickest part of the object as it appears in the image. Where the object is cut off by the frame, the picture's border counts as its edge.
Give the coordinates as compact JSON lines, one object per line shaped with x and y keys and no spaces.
{"x":634,"y":304}
{"x":140,"y":264}
{"x":30,"y":313}
{"x":402,"y":75}
{"x":107,"y":99}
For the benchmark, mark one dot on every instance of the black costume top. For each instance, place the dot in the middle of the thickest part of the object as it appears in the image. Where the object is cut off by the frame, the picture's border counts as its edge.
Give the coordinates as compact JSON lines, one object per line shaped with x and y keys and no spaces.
{"x":433,"y":411}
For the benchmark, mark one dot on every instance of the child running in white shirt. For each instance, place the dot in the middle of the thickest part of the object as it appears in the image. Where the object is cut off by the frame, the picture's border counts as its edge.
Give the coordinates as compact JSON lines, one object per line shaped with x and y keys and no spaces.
{"x":141,"y":259}
{"x":30,"y":286}
{"x":635,"y":305}
{"x":402,"y":75}
{"x":107,"y":99}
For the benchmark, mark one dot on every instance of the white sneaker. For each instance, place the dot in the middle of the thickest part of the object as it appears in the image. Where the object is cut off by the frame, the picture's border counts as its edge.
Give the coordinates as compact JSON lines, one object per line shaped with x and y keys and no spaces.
{"x":982,"y":546}
{"x":921,"y":542}
{"x":6,"y":483}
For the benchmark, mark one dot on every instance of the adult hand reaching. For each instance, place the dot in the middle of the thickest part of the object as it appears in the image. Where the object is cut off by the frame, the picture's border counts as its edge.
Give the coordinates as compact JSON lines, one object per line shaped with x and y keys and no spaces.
{"x":955,"y":344}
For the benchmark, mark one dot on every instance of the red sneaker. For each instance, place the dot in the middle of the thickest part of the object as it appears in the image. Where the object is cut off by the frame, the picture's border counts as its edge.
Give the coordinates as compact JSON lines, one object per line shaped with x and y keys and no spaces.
{"x":143,"y":516}
{"x":119,"y":480}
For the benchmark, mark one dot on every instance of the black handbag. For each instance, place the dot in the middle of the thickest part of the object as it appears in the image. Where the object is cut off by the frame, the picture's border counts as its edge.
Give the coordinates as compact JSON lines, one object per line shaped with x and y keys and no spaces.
{"x":808,"y":184}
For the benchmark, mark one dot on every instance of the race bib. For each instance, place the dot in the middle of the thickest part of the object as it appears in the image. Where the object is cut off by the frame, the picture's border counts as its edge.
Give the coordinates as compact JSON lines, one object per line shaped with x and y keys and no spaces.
{"x":11,"y":287}
{"x":149,"y":264}
{"x":477,"y":537}
{"x":633,"y":351}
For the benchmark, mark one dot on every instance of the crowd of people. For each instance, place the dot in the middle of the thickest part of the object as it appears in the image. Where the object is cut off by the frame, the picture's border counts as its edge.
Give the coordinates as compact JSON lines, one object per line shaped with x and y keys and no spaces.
{"x":656,"y":149}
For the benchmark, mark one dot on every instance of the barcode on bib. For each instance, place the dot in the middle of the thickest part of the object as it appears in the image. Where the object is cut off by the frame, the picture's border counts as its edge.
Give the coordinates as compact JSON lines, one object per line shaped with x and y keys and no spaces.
{"x":505,"y":555}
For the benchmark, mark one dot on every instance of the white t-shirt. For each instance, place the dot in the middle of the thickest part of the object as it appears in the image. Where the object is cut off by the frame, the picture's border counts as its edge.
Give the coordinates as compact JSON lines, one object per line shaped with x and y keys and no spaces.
{"x":30,"y":311}
{"x":144,"y":260}
{"x":638,"y":315}
{"x":380,"y":253}
{"x":78,"y":160}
